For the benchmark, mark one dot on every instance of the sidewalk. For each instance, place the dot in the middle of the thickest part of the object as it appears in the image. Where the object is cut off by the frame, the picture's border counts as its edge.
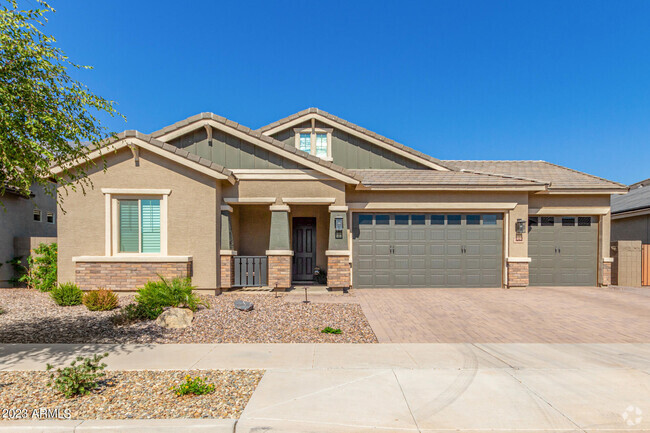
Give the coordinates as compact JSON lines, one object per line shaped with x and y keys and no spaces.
{"x":407,"y":387}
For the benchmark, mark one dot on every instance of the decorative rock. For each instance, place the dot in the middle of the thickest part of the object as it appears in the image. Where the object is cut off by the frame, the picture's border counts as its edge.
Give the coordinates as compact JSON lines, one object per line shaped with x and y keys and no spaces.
{"x":175,"y":318}
{"x":243,"y":305}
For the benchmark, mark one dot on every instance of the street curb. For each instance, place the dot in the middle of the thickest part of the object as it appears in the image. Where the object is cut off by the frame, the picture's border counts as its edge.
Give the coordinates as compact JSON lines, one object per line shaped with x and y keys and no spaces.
{"x":120,"y":425}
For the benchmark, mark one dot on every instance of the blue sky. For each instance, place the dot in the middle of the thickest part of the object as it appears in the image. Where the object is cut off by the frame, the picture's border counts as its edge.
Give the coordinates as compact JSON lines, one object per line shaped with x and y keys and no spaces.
{"x":566,"y":82}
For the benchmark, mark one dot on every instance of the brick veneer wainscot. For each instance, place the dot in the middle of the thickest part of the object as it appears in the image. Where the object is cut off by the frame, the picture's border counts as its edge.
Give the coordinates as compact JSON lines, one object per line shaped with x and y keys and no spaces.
{"x":607,"y":274}
{"x":338,"y":271}
{"x":517,"y":274}
{"x":280,"y":272}
{"x":227,"y":272}
{"x":126,"y":275}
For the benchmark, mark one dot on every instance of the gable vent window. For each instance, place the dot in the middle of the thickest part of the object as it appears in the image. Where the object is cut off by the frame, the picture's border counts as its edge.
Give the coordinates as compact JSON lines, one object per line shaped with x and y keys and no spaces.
{"x":37,"y":215}
{"x":315,"y":141}
{"x":50,"y":217}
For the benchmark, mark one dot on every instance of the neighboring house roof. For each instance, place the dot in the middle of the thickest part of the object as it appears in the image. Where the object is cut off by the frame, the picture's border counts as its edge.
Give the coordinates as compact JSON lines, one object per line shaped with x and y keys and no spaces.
{"x":557,"y":177}
{"x":638,"y":198}
{"x":136,"y":138}
{"x":325,"y":116}
{"x":442,"y":179}
{"x":228,"y":126}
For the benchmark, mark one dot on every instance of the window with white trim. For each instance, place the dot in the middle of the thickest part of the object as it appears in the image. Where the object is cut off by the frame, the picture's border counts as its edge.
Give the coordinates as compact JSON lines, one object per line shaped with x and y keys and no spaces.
{"x":139,"y":225}
{"x":49,"y":217}
{"x":37,"y":215}
{"x":315,"y":141}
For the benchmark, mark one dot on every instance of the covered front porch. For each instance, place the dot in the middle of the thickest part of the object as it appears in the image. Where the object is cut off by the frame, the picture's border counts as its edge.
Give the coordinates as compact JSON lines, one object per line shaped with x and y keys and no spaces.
{"x":281,"y":243}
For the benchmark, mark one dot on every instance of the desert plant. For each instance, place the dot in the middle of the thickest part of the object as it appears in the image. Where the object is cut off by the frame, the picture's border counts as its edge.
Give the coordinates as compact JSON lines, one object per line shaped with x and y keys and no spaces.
{"x":78,"y":379}
{"x":329,"y":330}
{"x":41,"y":268}
{"x":190,"y":385}
{"x":67,"y":294}
{"x":100,"y":300}
{"x":134,"y":312}
{"x":19,"y":270}
{"x":2,"y":310}
{"x":176,"y":292}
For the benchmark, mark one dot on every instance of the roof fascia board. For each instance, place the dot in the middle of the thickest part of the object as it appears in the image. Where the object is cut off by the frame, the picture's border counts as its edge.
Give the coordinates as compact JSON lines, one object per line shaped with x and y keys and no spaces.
{"x":631,"y":213}
{"x":356,"y":133}
{"x":584,"y":191}
{"x":259,"y":142}
{"x":453,"y":188}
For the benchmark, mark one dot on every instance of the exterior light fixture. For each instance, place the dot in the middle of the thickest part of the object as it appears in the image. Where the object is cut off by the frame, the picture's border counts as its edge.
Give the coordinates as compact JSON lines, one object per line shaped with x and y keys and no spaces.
{"x":520,"y":229}
{"x":338,"y":228}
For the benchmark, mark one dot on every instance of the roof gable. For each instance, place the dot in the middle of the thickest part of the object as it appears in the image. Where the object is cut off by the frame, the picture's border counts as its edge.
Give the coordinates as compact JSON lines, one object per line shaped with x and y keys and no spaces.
{"x":255,"y":138}
{"x":357,"y":131}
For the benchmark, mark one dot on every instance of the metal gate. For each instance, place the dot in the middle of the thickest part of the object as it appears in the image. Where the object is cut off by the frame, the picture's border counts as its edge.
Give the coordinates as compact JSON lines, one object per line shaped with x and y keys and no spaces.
{"x":250,"y":271}
{"x":645,"y":265}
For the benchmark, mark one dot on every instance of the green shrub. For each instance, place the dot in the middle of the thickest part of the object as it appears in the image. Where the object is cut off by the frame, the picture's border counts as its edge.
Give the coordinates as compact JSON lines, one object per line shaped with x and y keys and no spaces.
{"x":67,"y":294}
{"x":100,"y":300}
{"x":134,"y":312}
{"x":169,"y":293}
{"x":196,"y":386}
{"x":78,"y":379}
{"x":41,"y":268}
{"x":328,"y":330}
{"x":2,"y":310}
{"x":19,"y":269}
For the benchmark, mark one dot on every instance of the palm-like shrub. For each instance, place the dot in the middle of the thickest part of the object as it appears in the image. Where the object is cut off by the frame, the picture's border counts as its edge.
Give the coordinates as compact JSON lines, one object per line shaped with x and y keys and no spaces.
{"x":100,"y":300}
{"x":67,"y":294}
{"x":177,"y":292}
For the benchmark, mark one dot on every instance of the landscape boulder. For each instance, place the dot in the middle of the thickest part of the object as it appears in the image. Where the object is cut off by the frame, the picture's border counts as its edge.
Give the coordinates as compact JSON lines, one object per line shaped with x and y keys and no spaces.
{"x":175,"y":318}
{"x":243,"y":305}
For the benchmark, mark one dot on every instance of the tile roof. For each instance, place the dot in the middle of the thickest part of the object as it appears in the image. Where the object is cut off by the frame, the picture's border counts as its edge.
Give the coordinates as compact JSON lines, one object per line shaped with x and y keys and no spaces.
{"x":415,"y":178}
{"x":638,"y":198}
{"x":357,"y":128}
{"x":557,"y":177}
{"x":255,"y":134}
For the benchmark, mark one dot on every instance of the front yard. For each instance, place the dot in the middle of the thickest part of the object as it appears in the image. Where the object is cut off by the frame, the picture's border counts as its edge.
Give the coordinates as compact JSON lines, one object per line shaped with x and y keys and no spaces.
{"x":31,"y":316}
{"x":128,"y":394}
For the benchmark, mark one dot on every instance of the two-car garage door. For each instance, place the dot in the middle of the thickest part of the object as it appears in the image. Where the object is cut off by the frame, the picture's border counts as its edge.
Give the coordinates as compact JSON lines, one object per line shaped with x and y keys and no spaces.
{"x":427,"y":250}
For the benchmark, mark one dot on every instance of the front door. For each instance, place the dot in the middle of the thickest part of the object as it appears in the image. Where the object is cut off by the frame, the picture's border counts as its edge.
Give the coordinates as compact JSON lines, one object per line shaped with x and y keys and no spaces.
{"x":304,"y":248}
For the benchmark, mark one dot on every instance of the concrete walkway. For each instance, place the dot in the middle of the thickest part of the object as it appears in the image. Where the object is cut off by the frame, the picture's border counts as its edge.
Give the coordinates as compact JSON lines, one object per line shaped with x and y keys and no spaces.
{"x":407,"y":387}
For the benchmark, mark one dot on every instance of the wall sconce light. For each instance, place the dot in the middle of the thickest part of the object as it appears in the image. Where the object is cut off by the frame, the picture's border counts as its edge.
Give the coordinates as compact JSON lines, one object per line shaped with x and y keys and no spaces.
{"x":520,"y":229}
{"x":338,"y":228}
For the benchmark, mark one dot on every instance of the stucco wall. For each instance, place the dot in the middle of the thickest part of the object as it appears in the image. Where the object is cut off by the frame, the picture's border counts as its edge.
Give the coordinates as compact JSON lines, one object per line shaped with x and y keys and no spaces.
{"x":632,"y":229}
{"x":286,"y":189}
{"x":16,"y":220}
{"x":193,"y":213}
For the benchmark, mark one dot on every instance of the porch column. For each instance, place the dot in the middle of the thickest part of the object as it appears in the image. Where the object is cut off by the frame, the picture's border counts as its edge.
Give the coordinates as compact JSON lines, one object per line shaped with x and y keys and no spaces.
{"x":279,"y":252}
{"x":338,"y":250}
{"x":227,"y":252}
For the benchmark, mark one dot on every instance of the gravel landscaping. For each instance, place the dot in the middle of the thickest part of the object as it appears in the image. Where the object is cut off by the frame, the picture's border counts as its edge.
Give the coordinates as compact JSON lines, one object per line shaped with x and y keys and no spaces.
{"x":132,"y":394}
{"x":32,"y":317}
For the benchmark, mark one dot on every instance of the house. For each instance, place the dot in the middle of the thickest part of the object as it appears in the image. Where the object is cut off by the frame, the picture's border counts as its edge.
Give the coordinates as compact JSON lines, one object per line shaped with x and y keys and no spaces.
{"x":232,"y":206}
{"x":631,"y":214}
{"x":25,"y":222}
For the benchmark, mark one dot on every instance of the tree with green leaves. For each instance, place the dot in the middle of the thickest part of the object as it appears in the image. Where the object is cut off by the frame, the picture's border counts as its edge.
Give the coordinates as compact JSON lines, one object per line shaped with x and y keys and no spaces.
{"x":45,"y":115}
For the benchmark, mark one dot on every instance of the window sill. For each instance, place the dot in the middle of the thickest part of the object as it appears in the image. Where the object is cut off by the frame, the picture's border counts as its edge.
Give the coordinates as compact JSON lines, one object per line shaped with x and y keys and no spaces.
{"x":133,"y":259}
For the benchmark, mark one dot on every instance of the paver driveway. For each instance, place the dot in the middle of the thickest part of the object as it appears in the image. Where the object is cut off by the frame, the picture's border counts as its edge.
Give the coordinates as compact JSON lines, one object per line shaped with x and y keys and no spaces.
{"x":534,"y":315}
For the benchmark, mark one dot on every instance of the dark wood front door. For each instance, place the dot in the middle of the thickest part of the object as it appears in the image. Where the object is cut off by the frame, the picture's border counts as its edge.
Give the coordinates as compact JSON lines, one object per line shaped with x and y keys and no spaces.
{"x":304,"y":248}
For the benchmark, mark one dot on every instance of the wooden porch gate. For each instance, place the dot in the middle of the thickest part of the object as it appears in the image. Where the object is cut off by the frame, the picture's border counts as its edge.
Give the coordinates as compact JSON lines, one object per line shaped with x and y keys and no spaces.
{"x":645,"y":265}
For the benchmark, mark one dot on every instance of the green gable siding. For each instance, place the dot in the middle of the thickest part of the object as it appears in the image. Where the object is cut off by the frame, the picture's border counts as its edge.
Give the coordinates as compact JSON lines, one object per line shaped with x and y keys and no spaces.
{"x":354,"y":153}
{"x":231,"y":152}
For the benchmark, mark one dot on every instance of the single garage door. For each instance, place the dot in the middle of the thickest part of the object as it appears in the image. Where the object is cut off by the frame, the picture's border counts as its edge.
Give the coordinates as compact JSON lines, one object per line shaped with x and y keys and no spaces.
{"x":563,"y":250}
{"x":427,"y":250}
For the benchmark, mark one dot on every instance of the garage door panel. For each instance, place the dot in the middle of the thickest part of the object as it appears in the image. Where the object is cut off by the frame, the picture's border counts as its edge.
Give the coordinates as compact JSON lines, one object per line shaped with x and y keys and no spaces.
{"x":563,"y":254}
{"x":423,"y":251}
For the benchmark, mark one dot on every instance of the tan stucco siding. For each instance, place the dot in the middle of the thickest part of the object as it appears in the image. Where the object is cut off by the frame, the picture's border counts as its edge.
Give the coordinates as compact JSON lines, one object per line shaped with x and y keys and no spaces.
{"x":193,"y":209}
{"x":286,"y":189}
{"x":253,"y":228}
